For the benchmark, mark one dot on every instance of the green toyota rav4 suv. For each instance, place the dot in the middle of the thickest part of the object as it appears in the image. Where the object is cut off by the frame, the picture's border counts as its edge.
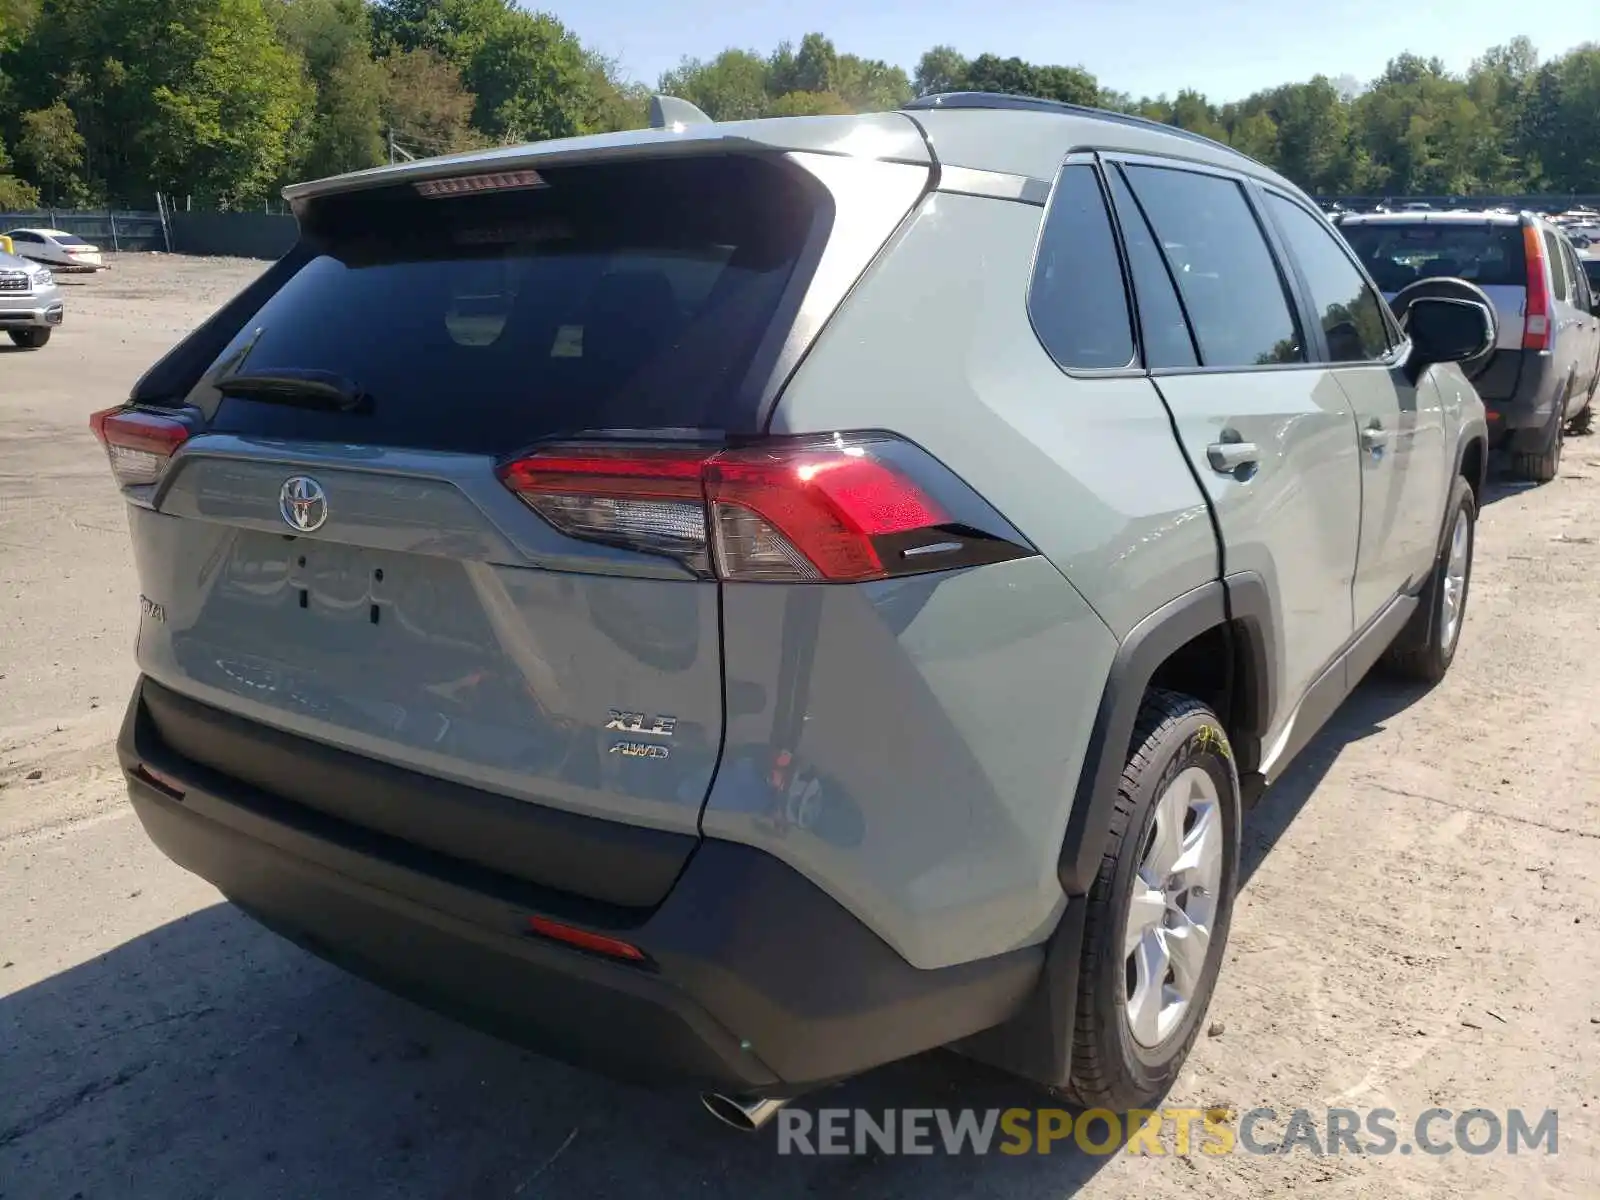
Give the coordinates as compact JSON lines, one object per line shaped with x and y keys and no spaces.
{"x":744,"y":603}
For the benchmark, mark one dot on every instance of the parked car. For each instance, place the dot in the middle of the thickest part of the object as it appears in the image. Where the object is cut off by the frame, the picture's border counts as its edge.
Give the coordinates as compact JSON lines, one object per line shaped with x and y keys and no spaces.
{"x":747,"y":603}
{"x":31,"y":305}
{"x":58,"y":248}
{"x":1591,"y":269}
{"x":1541,"y":382}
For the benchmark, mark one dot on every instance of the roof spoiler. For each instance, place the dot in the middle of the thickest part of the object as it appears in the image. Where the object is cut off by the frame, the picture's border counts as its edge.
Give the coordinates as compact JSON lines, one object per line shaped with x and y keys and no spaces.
{"x":669,"y":112}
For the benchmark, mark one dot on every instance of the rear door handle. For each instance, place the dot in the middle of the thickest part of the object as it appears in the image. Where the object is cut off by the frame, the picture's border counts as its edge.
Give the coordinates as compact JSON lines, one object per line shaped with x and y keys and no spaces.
{"x":1228,"y":457}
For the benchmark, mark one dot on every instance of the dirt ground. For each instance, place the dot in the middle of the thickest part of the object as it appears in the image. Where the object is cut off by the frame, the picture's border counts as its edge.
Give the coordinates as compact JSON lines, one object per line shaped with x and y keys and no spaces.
{"x":1418,"y":924}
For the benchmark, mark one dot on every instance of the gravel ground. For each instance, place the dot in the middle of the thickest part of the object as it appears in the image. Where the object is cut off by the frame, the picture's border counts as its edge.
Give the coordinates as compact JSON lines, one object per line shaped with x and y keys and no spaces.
{"x":1417,"y":926}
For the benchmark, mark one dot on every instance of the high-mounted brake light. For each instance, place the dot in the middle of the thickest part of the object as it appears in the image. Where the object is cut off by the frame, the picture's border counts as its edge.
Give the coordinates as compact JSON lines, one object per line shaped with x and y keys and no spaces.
{"x":491,"y":181}
{"x":781,"y":511}
{"x":138,"y":444}
{"x":1536,"y":319}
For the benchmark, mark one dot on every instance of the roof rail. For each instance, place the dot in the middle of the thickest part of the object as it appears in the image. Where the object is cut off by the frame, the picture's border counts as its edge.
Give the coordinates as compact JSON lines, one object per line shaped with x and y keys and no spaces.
{"x":669,"y":111}
{"x":1002,"y":100}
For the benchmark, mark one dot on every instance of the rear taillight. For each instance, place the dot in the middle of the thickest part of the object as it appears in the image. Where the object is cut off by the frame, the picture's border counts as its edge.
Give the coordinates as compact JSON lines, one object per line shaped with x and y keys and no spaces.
{"x":836,"y":510}
{"x":138,"y":444}
{"x":1536,"y":314}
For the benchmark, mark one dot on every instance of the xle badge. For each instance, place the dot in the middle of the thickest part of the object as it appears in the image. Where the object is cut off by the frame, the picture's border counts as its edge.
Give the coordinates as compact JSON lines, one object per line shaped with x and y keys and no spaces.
{"x":633,"y":722}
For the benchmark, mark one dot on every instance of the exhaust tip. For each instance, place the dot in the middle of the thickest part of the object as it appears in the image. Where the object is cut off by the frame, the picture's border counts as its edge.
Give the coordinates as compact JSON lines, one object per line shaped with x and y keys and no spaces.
{"x":744,"y":1113}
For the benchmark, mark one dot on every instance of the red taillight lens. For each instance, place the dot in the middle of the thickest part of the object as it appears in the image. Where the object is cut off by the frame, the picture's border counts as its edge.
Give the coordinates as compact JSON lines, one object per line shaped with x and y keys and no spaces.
{"x":779,"y":512}
{"x":828,"y":505}
{"x":1536,"y":312}
{"x":138,"y":444}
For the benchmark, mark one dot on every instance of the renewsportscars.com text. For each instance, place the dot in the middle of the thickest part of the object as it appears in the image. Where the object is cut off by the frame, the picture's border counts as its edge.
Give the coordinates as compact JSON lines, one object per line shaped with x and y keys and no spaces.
{"x":1180,"y":1131}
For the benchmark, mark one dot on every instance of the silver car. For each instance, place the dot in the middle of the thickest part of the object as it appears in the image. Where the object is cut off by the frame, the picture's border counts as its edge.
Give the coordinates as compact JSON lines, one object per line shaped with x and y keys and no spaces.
{"x":31,"y":304}
{"x":1542,"y":379}
{"x":746,"y":603}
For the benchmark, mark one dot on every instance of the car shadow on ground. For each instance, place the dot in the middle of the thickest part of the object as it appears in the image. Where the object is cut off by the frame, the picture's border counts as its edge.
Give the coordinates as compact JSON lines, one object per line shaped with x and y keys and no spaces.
{"x":210,"y":1058}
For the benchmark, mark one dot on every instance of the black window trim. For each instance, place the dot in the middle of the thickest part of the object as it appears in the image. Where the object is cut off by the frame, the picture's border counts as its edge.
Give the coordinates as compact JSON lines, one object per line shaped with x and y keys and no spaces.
{"x":1399,"y":346}
{"x":1293,"y":296}
{"x":1134,"y":368}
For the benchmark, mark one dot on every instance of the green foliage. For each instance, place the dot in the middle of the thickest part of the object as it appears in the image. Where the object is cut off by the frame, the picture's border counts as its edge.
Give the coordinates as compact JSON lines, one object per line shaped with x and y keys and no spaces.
{"x":52,"y":148}
{"x":226,"y":100}
{"x":15,"y":194}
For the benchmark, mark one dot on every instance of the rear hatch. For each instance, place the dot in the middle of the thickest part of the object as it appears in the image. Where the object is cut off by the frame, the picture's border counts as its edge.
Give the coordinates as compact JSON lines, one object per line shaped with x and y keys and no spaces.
{"x":1489,"y":254}
{"x":336,"y":550}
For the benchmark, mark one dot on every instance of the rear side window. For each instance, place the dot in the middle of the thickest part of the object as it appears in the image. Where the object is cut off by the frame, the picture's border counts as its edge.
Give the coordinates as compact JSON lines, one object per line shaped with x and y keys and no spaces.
{"x":1350,"y":311}
{"x":1230,"y":284}
{"x":1560,"y":285}
{"x":624,"y":297}
{"x":1163,"y":330}
{"x":1076,"y":299}
{"x":1399,"y":254}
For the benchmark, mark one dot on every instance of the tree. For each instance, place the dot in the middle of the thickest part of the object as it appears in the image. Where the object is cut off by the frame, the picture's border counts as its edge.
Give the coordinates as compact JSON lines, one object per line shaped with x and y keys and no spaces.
{"x":52,"y":148}
{"x":812,"y":68}
{"x":731,"y":87}
{"x":334,"y":37}
{"x":869,"y":85}
{"x":1257,"y":136}
{"x":1194,"y":112}
{"x":942,"y":69}
{"x":15,"y":194}
{"x":224,"y":119}
{"x":1557,"y":130}
{"x":808,"y":104}
{"x":531,"y":78}
{"x":426,"y":104}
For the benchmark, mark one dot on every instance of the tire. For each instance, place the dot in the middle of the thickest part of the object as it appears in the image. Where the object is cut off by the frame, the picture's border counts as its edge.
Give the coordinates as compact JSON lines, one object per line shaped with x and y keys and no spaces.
{"x":30,"y":339}
{"x":1541,"y":466}
{"x":1426,"y":647}
{"x":1114,"y":1067}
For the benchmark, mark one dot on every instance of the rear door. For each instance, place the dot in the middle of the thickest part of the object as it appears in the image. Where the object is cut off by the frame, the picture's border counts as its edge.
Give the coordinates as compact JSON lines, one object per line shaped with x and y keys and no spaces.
{"x":1570,"y":342}
{"x":1585,"y":326}
{"x":1270,"y":435}
{"x":339,"y":553}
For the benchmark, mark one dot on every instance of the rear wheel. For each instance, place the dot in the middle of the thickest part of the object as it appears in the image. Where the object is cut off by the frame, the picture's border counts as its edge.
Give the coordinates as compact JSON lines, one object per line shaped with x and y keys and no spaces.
{"x":1159,"y":909}
{"x":1541,"y":466}
{"x":30,"y":339}
{"x":1427,"y":645}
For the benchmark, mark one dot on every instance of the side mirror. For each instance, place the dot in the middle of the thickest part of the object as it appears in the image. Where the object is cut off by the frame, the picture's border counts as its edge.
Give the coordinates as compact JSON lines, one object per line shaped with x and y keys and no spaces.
{"x":1445,"y":330}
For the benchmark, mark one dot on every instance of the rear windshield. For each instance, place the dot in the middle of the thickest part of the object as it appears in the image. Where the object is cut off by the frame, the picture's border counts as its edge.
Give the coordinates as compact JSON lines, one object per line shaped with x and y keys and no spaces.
{"x":66,"y":239}
{"x":619,"y":297}
{"x":1395,"y":254}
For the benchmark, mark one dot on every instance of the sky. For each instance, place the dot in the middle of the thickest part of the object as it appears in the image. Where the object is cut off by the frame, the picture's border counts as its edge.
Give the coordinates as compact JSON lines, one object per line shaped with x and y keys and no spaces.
{"x":1224,"y":48}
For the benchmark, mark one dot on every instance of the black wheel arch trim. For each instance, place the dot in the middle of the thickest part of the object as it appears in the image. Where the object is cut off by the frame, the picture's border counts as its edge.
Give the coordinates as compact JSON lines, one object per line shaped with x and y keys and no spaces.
{"x":1476,"y":430}
{"x":1242,"y":606}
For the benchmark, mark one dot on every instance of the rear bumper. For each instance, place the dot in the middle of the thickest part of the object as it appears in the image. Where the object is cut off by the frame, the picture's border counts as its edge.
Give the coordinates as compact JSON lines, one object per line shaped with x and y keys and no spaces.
{"x":1519,"y":390}
{"x":756,"y":981}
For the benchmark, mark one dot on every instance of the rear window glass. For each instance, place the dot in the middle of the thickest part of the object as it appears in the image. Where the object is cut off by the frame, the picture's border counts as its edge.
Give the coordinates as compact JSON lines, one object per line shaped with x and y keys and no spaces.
{"x":1395,"y":255}
{"x":66,"y":239}
{"x":617,"y":297}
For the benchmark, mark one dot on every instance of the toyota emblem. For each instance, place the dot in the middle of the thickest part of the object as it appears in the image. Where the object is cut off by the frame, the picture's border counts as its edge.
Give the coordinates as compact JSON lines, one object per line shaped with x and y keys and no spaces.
{"x":303,"y":503}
